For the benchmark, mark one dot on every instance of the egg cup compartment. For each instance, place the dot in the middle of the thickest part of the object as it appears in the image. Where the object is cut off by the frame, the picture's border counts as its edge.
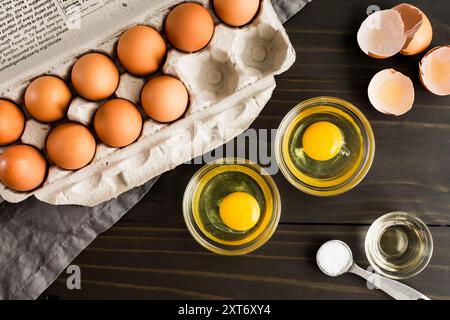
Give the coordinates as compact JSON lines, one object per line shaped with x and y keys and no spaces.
{"x":258,"y":50}
{"x":208,"y":77}
{"x":262,"y":47}
{"x":225,"y":100}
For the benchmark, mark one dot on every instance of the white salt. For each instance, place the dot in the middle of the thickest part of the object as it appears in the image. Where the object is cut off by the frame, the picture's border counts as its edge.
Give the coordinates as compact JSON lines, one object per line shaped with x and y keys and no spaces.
{"x":334,"y":257}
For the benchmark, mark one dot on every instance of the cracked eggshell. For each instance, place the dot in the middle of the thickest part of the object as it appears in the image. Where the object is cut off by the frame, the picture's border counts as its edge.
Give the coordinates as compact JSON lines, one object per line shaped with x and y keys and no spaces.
{"x":435,"y":71}
{"x":391,"y":92}
{"x":382,"y":35}
{"x":404,"y":28}
{"x":418,"y":29}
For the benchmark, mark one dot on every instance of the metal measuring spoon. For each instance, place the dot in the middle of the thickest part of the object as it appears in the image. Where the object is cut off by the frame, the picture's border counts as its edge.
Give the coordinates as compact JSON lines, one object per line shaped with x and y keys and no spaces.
{"x":335,"y":258}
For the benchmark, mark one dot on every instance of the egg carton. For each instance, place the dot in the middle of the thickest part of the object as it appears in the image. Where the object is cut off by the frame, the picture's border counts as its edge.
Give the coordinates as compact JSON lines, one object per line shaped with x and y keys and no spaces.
{"x":229,"y":82}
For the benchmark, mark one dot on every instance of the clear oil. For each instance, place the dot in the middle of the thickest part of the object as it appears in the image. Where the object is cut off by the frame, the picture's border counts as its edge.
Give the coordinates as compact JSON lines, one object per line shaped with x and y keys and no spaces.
{"x":401,"y":247}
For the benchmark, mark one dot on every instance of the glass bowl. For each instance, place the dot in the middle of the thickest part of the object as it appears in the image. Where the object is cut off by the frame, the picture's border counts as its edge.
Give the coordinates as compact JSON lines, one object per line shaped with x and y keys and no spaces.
{"x":339,"y":174}
{"x":399,"y":245}
{"x":195,"y":220}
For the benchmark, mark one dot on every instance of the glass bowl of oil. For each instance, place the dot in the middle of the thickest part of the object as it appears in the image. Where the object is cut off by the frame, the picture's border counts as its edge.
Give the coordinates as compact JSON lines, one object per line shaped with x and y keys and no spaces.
{"x":325,"y":146}
{"x":399,"y":245}
{"x":231,"y":206}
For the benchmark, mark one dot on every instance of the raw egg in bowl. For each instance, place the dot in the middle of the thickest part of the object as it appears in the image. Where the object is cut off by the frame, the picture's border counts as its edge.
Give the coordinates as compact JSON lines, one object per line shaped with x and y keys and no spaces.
{"x":325,"y":146}
{"x":231,"y":206}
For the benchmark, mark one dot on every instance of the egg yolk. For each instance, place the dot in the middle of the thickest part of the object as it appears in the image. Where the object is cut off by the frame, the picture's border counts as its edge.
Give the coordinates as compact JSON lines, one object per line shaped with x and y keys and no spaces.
{"x":322,"y":141}
{"x":239,"y":211}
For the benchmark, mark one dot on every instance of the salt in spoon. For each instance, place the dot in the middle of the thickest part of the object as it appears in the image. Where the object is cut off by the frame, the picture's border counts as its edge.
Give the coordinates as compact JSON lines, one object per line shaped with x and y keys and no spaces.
{"x":335,"y":258}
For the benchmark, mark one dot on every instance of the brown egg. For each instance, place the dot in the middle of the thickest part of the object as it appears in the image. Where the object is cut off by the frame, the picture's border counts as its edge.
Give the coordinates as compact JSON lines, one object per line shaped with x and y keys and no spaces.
{"x":118,"y":123}
{"x":141,"y":50}
{"x":71,"y":146}
{"x":47,"y":99}
{"x":12,"y":122}
{"x":95,"y":76}
{"x":22,"y":168}
{"x":236,"y":13}
{"x":189,"y":27}
{"x":164,"y":98}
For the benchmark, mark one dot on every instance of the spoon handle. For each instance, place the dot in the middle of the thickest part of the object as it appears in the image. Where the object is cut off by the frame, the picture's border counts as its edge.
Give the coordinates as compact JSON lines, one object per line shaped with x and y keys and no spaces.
{"x":395,"y":289}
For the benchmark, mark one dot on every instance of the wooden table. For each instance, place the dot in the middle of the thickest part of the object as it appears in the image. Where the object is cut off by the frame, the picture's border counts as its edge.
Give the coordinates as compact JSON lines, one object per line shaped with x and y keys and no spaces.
{"x":150,"y":254}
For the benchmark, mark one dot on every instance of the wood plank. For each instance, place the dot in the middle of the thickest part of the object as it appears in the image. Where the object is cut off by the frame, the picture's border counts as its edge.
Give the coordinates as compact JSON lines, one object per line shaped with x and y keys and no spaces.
{"x":149,"y":262}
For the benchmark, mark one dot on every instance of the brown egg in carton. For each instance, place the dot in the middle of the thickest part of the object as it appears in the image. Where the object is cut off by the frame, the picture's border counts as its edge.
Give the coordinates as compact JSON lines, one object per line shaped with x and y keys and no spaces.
{"x":229,"y":82}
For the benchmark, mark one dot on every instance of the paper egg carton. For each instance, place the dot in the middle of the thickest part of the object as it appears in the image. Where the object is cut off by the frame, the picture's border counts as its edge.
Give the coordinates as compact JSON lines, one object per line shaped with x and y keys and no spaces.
{"x":229,"y":83}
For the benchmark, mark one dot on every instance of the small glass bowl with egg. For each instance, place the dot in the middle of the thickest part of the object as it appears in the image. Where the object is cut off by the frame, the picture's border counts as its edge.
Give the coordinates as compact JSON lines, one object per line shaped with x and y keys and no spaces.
{"x":231,"y":206}
{"x":325,"y":146}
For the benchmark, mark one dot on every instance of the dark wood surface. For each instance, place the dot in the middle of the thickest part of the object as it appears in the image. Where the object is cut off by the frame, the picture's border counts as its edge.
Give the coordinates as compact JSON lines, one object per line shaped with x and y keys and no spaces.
{"x":149,"y":254}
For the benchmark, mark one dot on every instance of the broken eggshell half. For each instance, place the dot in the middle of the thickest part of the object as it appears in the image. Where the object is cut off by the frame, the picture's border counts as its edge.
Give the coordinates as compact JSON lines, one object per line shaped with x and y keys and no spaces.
{"x":382,"y":34}
{"x":404,"y":29}
{"x":391,"y":92}
{"x":435,"y":71}
{"x":418,"y":30}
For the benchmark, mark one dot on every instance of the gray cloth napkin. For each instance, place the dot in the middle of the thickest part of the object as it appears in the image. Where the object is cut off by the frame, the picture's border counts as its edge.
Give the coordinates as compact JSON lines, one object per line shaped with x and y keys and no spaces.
{"x":286,"y":9}
{"x":38,"y":241}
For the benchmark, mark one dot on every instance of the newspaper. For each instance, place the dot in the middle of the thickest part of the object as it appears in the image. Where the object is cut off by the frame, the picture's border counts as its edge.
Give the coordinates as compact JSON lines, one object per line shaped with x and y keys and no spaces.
{"x":36,"y":33}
